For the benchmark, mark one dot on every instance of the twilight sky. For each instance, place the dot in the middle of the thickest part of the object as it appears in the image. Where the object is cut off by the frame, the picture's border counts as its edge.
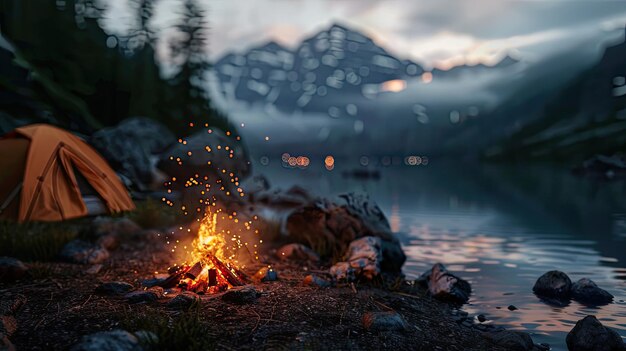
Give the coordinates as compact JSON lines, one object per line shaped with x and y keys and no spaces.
{"x":441,"y":32}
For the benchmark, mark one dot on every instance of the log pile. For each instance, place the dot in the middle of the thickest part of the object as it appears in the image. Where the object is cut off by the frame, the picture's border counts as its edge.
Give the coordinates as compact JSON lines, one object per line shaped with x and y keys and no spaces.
{"x":210,"y":275}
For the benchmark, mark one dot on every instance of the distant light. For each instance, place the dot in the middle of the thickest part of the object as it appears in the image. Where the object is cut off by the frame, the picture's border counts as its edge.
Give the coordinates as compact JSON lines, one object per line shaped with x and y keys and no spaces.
{"x":265,"y":160}
{"x":394,"y":86}
{"x":267,"y":138}
{"x":427,"y":77}
{"x":329,"y":162}
{"x":455,"y":117}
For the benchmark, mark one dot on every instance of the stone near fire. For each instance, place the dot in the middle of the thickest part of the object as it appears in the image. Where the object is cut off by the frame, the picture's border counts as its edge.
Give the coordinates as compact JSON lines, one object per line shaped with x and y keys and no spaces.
{"x":444,"y":285}
{"x":384,"y":321}
{"x":587,"y":292}
{"x":80,"y":251}
{"x":149,"y":295}
{"x":114,"y":288}
{"x":511,"y":340}
{"x":553,"y":284}
{"x":114,"y":340}
{"x":266,"y":274}
{"x":590,"y":335}
{"x":297,"y":252}
{"x":183,"y":301}
{"x":241,"y":295}
{"x":11,"y":269}
{"x":315,"y":280}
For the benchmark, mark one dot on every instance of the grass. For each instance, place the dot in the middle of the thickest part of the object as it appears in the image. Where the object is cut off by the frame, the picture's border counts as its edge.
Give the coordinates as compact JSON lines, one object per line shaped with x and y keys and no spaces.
{"x":35,"y":241}
{"x":184,"y":331}
{"x":151,"y":213}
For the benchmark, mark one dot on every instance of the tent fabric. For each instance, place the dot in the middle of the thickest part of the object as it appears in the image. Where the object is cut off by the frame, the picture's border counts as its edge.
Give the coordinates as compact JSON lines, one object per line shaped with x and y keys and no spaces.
{"x":49,"y":189}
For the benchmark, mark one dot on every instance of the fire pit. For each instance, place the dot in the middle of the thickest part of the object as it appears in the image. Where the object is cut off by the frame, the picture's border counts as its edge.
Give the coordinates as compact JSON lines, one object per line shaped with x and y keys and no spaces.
{"x":214,"y":264}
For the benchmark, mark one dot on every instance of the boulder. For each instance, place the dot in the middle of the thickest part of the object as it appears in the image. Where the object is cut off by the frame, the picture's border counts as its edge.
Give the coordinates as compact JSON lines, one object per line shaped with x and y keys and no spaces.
{"x":297,"y":253}
{"x":266,"y":274}
{"x":333,"y":225}
{"x":114,"y":340}
{"x":553,"y":284}
{"x":590,"y":335}
{"x":444,"y":285}
{"x":149,"y":295}
{"x":511,"y":340}
{"x":384,"y":321}
{"x":131,"y":146}
{"x":587,"y":292}
{"x":364,"y":258}
{"x":80,"y":251}
{"x":114,"y":288}
{"x":11,"y":269}
{"x":241,"y":295}
{"x":183,"y":301}
{"x":314,"y":280}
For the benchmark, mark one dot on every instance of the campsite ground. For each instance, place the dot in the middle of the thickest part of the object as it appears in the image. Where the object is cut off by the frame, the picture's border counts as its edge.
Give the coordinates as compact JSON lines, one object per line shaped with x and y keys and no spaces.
{"x":62,"y":306}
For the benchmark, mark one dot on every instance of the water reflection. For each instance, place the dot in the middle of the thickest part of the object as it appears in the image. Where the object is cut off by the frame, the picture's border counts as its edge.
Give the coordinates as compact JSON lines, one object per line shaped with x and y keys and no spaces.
{"x":501,"y":228}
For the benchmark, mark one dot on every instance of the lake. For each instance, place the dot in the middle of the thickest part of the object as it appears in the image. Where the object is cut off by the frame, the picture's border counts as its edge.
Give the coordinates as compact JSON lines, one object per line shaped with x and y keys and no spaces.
{"x":500,"y":228}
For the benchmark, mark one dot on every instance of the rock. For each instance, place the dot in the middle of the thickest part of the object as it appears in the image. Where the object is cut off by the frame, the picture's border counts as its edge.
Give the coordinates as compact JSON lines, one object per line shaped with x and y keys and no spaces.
{"x":384,"y":321}
{"x":335,"y":224}
{"x":11,"y":269}
{"x":114,"y":288}
{"x":79,"y":251}
{"x":150,"y":295}
{"x":481,"y":318}
{"x":512,"y":308}
{"x":314,"y":280}
{"x":114,"y":340}
{"x":183,"y":301}
{"x":266,"y":274}
{"x":241,"y":295}
{"x":131,"y":146}
{"x":95,"y":269}
{"x":553,"y":284}
{"x":590,"y":335}
{"x":587,"y":292}
{"x":444,"y":285}
{"x":511,"y":340}
{"x":297,"y":252}
{"x":109,"y":241}
{"x":342,"y":271}
{"x":364,"y":256}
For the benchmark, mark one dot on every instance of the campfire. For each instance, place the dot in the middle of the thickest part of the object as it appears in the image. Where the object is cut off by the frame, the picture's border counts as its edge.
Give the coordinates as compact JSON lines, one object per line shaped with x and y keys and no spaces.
{"x":214,"y":265}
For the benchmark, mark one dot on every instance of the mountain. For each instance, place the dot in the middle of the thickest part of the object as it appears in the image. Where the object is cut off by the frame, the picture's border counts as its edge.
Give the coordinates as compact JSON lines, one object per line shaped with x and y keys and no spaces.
{"x":479,"y":68}
{"x":587,"y":116}
{"x":322,"y":70}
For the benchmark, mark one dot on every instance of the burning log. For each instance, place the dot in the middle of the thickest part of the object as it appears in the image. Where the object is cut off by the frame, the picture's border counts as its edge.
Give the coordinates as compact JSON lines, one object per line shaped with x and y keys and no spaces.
{"x":225,"y":271}
{"x":212,"y":277}
{"x":194,"y":271}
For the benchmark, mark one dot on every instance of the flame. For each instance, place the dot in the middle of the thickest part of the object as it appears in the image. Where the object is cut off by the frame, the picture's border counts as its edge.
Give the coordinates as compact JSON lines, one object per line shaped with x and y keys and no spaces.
{"x":208,"y":240}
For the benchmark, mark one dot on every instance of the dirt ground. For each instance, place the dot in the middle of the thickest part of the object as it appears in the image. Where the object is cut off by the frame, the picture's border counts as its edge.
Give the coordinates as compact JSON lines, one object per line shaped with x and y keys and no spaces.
{"x":62,"y":306}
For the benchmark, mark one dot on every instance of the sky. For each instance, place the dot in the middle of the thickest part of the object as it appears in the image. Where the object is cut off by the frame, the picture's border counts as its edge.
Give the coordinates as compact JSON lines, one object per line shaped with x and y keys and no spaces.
{"x":431,"y":32}
{"x":440,"y":33}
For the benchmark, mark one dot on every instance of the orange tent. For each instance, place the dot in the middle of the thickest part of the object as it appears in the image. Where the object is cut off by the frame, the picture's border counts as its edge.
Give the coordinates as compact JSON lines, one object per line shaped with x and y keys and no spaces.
{"x":41,"y":167}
